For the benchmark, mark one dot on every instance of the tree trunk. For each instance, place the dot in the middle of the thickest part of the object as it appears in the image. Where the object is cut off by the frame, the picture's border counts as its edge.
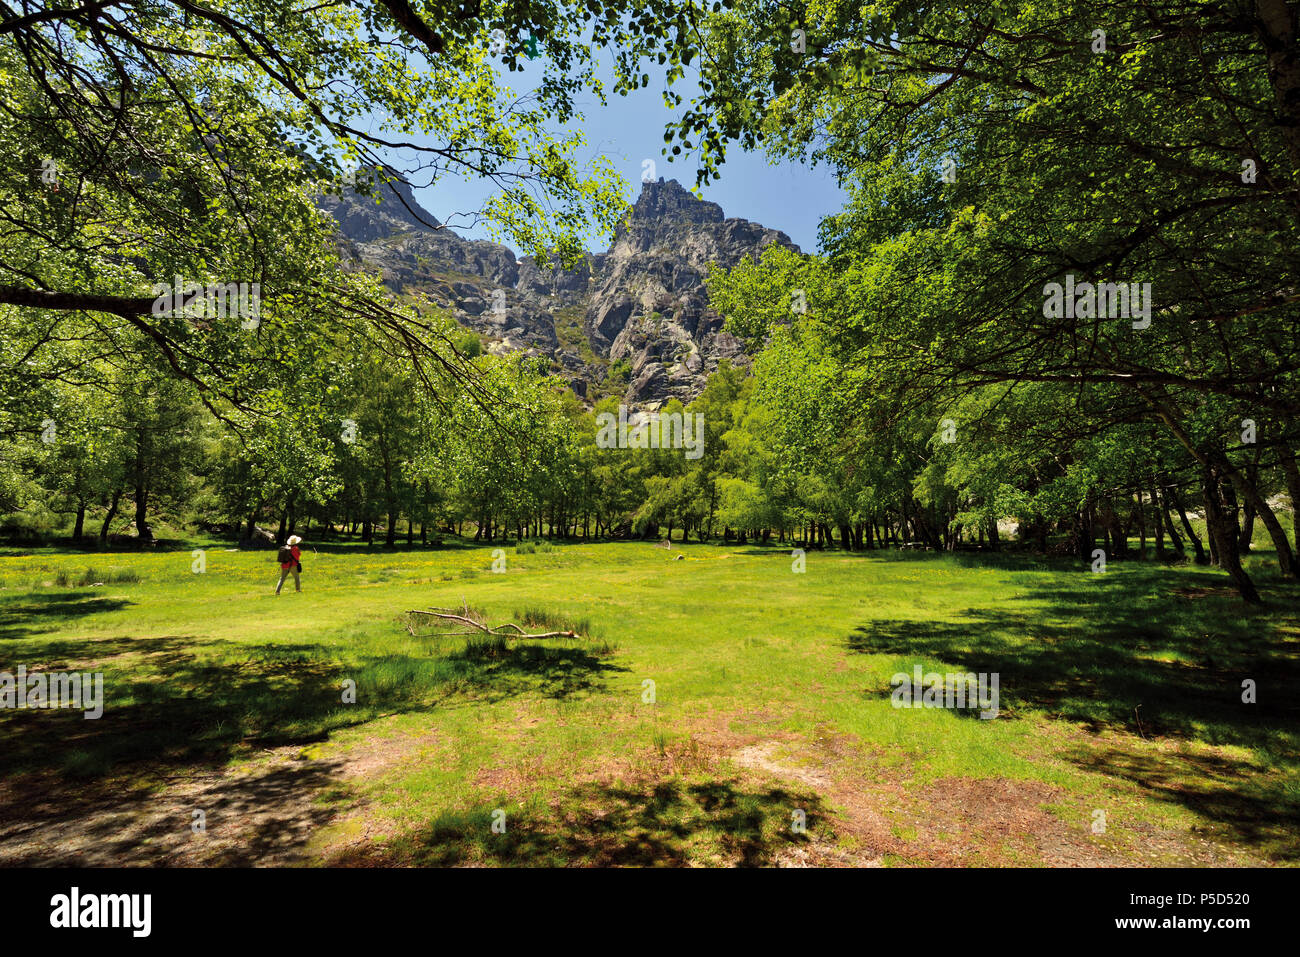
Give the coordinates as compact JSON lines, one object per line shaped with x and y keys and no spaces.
{"x":141,"y":514}
{"x":1247,"y":527}
{"x":112,"y":514}
{"x":1163,"y":513}
{"x":1292,"y":473}
{"x":1223,"y":532}
{"x":1159,"y":526}
{"x":1085,"y":533}
{"x":1114,"y":532}
{"x":1250,"y":491}
{"x":1192,"y":537}
{"x":1142,"y":528}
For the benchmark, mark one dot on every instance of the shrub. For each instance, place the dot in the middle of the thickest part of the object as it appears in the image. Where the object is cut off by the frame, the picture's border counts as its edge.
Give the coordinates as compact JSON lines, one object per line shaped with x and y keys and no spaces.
{"x":93,"y":576}
{"x":542,"y":619}
{"x":28,"y":528}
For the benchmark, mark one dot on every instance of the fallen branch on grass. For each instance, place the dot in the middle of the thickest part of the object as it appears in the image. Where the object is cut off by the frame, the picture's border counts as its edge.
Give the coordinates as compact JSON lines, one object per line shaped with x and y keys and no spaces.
{"x":476,"y":625}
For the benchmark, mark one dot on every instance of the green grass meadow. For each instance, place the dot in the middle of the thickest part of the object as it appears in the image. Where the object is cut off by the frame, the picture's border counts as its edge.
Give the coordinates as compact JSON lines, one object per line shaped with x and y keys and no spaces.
{"x":719,"y":709}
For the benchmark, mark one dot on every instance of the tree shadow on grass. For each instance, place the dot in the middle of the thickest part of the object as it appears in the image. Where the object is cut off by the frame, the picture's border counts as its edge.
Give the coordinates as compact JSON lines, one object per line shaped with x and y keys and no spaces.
{"x":167,"y":707}
{"x":177,"y":701}
{"x":494,"y":671}
{"x":1147,"y":653}
{"x":82,"y":654}
{"x":670,"y":823}
{"x":22,"y":616}
{"x":1120,"y":652}
{"x":250,"y":819}
{"x":177,"y":709}
{"x":1239,"y":801}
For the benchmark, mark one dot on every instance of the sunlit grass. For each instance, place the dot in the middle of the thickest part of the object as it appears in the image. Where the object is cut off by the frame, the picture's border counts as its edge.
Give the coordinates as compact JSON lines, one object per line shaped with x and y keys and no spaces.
{"x":1099,"y":673}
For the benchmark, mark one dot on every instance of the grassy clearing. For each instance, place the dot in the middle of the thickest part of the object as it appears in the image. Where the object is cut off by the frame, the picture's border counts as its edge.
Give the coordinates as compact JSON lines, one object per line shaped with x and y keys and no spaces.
{"x":715,"y":703}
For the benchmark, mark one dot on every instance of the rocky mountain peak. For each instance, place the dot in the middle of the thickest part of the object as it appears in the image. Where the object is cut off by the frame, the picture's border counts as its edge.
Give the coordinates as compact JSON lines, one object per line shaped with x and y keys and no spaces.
{"x":361,"y":218}
{"x":662,"y":203}
{"x":633,"y":322}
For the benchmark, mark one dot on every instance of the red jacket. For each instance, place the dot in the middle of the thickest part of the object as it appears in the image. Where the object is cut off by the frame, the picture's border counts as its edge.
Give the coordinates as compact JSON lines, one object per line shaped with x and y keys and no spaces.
{"x":297,"y":557}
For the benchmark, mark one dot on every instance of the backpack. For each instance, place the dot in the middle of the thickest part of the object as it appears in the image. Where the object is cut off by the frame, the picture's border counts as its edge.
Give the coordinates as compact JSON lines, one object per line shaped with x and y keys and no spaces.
{"x":285,"y":556}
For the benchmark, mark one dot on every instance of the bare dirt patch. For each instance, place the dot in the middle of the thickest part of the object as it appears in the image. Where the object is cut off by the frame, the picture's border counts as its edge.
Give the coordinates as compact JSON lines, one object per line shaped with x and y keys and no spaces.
{"x":265,"y":812}
{"x":259,"y":817}
{"x":1204,"y":591}
{"x":999,"y":821}
{"x":291,"y":806}
{"x":884,"y":814}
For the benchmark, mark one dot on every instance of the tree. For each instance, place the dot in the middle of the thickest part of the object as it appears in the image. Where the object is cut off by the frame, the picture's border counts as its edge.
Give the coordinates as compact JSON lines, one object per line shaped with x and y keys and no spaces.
{"x":1002,"y":155}
{"x":86,"y":449}
{"x":386,"y":436}
{"x":147,"y":142}
{"x":159,"y":424}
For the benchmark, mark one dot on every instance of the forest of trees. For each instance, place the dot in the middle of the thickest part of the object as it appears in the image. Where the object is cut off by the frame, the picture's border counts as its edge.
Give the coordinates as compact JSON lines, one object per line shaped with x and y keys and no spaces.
{"x":914,"y":382}
{"x":383,"y":465}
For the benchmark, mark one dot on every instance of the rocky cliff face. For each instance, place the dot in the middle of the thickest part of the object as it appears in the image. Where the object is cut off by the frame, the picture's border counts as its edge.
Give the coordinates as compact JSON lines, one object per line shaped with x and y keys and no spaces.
{"x":633,"y":322}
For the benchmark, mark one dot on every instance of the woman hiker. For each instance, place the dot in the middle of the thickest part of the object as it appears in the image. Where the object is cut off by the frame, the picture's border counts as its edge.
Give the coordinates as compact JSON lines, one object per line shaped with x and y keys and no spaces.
{"x":290,"y":558}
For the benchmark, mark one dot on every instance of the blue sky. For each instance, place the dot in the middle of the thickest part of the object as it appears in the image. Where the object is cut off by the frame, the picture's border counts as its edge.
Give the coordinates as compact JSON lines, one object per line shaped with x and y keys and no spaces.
{"x":790,"y":196}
